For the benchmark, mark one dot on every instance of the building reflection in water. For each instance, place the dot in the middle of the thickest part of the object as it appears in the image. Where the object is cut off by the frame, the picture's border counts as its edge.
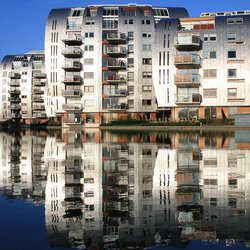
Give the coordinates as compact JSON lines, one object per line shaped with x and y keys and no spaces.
{"x":115,"y":190}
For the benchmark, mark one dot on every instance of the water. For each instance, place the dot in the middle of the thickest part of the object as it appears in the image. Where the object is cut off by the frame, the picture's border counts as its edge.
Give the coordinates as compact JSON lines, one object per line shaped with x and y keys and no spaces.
{"x":118,"y":190}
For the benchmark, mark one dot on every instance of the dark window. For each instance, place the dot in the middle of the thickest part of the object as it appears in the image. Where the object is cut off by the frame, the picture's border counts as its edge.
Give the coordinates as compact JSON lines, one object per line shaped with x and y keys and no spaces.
{"x":231,"y":54}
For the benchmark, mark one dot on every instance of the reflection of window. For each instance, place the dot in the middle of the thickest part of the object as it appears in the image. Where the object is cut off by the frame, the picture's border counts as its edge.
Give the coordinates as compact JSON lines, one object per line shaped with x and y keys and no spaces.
{"x":232,"y":183}
{"x":147,"y":74}
{"x":146,"y":102}
{"x":231,"y":36}
{"x":232,"y":161}
{"x":232,"y":92}
{"x":210,"y":162}
{"x":210,"y":181}
{"x":232,"y":202}
{"x":213,"y":201}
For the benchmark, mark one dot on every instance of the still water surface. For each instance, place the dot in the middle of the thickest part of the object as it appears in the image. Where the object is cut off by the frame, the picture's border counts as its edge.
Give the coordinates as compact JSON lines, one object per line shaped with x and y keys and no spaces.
{"x":106,"y":190}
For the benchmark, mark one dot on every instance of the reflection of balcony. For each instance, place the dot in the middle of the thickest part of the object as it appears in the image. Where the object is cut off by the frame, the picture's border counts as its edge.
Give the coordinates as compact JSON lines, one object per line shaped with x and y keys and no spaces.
{"x":38,"y":91}
{"x":187,"y":42}
{"x":188,"y":99}
{"x":14,"y":91}
{"x":73,"y":39}
{"x":116,"y":78}
{"x":72,"y":93}
{"x":72,"y":52}
{"x":15,"y":115}
{"x":187,"y":80}
{"x":14,"y":75}
{"x":116,"y":51}
{"x":116,"y":38}
{"x":116,"y":92}
{"x":39,"y":82}
{"x":14,"y":83}
{"x":14,"y":99}
{"x":73,"y":107}
{"x":38,"y":98}
{"x":40,"y":75}
{"x":38,"y":106}
{"x":72,"y":66}
{"x":39,"y":114}
{"x":116,"y":64}
{"x":72,"y":80}
{"x":15,"y":107}
{"x":187,"y":61}
{"x":117,"y":107}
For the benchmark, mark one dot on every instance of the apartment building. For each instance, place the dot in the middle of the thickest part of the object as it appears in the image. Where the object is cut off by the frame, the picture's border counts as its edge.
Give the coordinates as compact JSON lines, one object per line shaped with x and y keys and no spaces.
{"x":99,"y":62}
{"x":23,"y":80}
{"x":201,"y":66}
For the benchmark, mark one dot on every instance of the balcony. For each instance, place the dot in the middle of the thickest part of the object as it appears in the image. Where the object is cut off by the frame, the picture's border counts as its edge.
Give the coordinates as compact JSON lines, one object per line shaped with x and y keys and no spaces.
{"x":14,"y":75}
{"x":116,"y":64}
{"x":72,"y":39}
{"x":187,"y":61}
{"x":38,"y":91}
{"x":72,"y":121}
{"x":72,"y":66}
{"x":72,"y":80}
{"x":15,"y":107}
{"x":72,"y":52}
{"x":187,"y":42}
{"x":116,"y":51}
{"x":116,"y":78}
{"x":116,"y":92}
{"x":72,"y":93}
{"x":14,"y":91}
{"x":116,"y":38}
{"x":14,"y":99}
{"x":187,"y":80}
{"x":38,"y":106}
{"x":39,"y":75}
{"x":37,"y":98}
{"x":73,"y":107}
{"x":188,"y":99}
{"x":118,"y":107}
{"x":14,"y":83}
{"x":39,"y":82}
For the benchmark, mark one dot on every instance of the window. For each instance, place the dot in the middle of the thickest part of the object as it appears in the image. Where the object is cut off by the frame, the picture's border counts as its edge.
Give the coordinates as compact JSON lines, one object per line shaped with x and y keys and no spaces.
{"x":209,"y":93}
{"x":130,"y":35}
{"x":145,"y":21}
{"x":210,"y":73}
{"x":213,"y":201}
{"x":130,"y":21}
{"x":231,"y":36}
{"x":131,"y":90}
{"x":234,"y":20}
{"x":232,"y":92}
{"x":146,"y":47}
{"x":232,"y":183}
{"x":210,"y":37}
{"x":231,"y":54}
{"x":90,"y":22}
{"x":147,"y":74}
{"x":89,"y":103}
{"x":76,"y":13}
{"x":130,"y":62}
{"x":89,"y":47}
{"x":212,"y":54}
{"x":146,"y":34}
{"x":130,"y":48}
{"x":131,"y":103}
{"x":88,"y":75}
{"x":130,"y":76}
{"x":24,"y":73}
{"x":89,"y":34}
{"x":88,"y":89}
{"x":231,"y":73}
{"x":88,"y":61}
{"x":146,"y":88}
{"x":147,"y":61}
{"x":210,"y":181}
{"x":146,"y":102}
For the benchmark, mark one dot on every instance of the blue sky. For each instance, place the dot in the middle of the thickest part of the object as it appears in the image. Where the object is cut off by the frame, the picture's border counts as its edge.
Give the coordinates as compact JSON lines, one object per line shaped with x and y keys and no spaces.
{"x":23,"y":21}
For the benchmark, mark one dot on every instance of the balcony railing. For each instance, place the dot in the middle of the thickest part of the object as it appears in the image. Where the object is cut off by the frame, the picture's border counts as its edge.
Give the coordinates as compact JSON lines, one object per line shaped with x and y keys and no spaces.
{"x":14,"y":75}
{"x":39,"y":106}
{"x":116,"y":64}
{"x":72,"y":121}
{"x":188,"y":99}
{"x":39,"y":82}
{"x":116,"y":51}
{"x":117,"y":107}
{"x":38,"y":91}
{"x":116,"y":38}
{"x":38,"y":98}
{"x":187,"y":61}
{"x":72,"y":39}
{"x":190,"y":80}
{"x":72,"y":66}
{"x":73,"y":107}
{"x":187,"y":42}
{"x":72,"y":93}
{"x":72,"y":52}
{"x":14,"y":83}
{"x":14,"y":91}
{"x":72,"y":80}
{"x":14,"y":99}
{"x":116,"y":78}
{"x":40,"y":75}
{"x":116,"y":92}
{"x":15,"y":107}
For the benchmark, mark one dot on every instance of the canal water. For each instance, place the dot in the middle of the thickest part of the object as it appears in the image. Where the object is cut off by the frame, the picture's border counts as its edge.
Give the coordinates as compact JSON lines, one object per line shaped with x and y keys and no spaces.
{"x":124,"y":190}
